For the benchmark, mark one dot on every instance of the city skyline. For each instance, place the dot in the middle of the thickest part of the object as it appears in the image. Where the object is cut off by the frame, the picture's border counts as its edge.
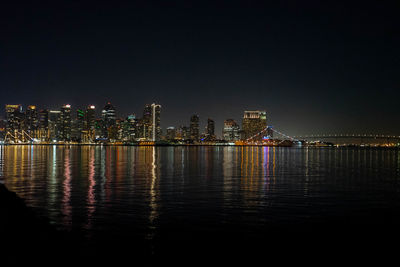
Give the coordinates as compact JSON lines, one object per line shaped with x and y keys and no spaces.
{"x":315,"y":67}
{"x":67,"y":123}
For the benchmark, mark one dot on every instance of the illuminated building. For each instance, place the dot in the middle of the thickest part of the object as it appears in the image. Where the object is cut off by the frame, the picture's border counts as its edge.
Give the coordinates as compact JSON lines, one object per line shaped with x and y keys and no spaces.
{"x":90,"y":117}
{"x":131,"y":127}
{"x":145,"y":124}
{"x":182,"y":133}
{"x":78,"y":128}
{"x":109,"y":119}
{"x":54,"y":124}
{"x":66,"y":122}
{"x":31,"y":121}
{"x":170,"y":135}
{"x":150,"y":127}
{"x":210,"y":130}
{"x":231,"y":131}
{"x":14,"y":117}
{"x":253,"y":123}
{"x":43,"y":125}
{"x":89,"y":125}
{"x":156,"y":122}
{"x":194,"y":128}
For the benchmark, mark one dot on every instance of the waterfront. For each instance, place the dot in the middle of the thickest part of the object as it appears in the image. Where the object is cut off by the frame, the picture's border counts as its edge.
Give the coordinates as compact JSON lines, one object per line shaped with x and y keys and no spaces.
{"x":155,"y":195}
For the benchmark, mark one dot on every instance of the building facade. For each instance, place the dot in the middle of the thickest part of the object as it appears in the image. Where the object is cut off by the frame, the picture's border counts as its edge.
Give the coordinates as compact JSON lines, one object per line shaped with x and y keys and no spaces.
{"x":253,"y":123}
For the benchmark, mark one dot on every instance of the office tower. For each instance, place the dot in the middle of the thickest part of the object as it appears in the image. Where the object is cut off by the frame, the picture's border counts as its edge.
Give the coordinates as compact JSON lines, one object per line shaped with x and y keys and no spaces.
{"x":253,"y":123}
{"x":78,"y":129}
{"x":170,"y":135}
{"x":210,"y":130}
{"x":231,"y":131}
{"x":66,"y":123}
{"x":43,"y":125}
{"x":14,"y":117}
{"x":108,"y":114}
{"x":54,"y":125}
{"x":31,"y":121}
{"x":146,"y":123}
{"x":109,"y":120}
{"x":131,"y":127}
{"x":156,"y":122}
{"x":194,"y":128}
{"x":140,"y":129}
{"x":182,"y":133}
{"x":90,"y":117}
{"x":89,"y":125}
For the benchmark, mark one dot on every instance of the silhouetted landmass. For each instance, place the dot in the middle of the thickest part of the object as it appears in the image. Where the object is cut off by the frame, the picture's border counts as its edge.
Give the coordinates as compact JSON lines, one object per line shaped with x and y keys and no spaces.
{"x":27,"y":238}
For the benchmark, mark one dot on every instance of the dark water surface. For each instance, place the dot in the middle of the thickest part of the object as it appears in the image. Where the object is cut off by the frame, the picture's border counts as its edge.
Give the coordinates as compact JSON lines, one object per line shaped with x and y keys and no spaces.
{"x":153,"y":196}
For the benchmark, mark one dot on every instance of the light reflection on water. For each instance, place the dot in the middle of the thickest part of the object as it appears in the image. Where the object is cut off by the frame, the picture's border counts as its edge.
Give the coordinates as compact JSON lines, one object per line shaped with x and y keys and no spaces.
{"x":147,"y":189}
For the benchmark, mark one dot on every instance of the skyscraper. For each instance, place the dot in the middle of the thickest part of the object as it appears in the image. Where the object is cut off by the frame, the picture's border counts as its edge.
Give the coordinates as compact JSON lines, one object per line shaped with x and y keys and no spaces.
{"x":89,"y":125}
{"x":79,"y":126}
{"x":31,"y":121}
{"x":210,"y":130}
{"x":194,"y":128}
{"x":170,"y":135}
{"x":66,"y":123}
{"x":109,"y":119}
{"x":231,"y":131}
{"x":156,"y":122}
{"x":43,"y":121}
{"x":146,"y":123}
{"x":14,"y":117}
{"x":253,"y":123}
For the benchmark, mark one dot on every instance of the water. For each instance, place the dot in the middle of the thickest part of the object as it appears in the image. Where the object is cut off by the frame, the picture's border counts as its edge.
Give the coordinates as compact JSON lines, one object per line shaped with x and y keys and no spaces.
{"x":178,"y":193}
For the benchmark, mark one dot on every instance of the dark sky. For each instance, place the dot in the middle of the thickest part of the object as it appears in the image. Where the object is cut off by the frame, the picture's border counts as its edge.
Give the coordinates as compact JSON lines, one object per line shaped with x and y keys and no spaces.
{"x":315,"y":66}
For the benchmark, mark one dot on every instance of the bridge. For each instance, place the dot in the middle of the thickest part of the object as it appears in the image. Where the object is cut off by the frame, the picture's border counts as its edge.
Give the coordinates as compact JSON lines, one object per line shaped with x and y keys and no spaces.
{"x":335,"y":139}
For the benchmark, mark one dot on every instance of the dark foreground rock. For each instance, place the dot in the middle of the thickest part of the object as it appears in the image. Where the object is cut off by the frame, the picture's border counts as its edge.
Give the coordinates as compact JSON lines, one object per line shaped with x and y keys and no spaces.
{"x":27,"y":238}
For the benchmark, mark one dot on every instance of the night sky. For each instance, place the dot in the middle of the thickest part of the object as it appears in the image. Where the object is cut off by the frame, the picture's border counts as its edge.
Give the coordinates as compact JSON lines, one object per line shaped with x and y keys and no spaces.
{"x":315,"y":66}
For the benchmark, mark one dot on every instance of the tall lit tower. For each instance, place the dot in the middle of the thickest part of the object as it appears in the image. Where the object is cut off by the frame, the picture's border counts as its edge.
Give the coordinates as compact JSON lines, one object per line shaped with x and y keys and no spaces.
{"x":194,"y":127}
{"x":90,"y":120}
{"x":109,"y":119}
{"x":66,"y":122}
{"x":210,"y":130}
{"x":254,"y":122}
{"x":156,"y":122}
{"x":31,"y":120}
{"x":14,"y":117}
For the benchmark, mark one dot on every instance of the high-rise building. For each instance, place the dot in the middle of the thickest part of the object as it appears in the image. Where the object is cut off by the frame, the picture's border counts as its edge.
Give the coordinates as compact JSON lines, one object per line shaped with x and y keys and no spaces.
{"x":31,"y":121}
{"x":90,"y":117}
{"x":109,"y":119}
{"x":79,"y":125}
{"x":210,"y":130}
{"x":132,"y":123}
{"x":66,"y":123}
{"x":14,"y":117}
{"x":54,"y":125}
{"x":253,"y":123}
{"x":194,"y":128}
{"x":155,"y":122}
{"x":231,"y":131}
{"x":146,"y":123}
{"x":43,"y":125}
{"x":170,"y":135}
{"x":182,"y":133}
{"x":89,"y":125}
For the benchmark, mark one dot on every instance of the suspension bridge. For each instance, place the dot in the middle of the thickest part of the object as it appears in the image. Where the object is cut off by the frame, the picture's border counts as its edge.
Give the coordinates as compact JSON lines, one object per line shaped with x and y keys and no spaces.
{"x":262,"y":138}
